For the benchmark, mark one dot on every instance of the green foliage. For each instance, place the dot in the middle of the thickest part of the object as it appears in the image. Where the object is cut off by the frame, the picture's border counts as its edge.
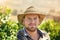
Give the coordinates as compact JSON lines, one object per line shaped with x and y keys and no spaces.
{"x":52,"y":27}
{"x":8,"y":28}
{"x":4,"y":14}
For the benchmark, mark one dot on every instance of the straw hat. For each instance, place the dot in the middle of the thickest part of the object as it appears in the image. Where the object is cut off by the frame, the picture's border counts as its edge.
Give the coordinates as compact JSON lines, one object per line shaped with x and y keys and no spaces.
{"x":31,"y":10}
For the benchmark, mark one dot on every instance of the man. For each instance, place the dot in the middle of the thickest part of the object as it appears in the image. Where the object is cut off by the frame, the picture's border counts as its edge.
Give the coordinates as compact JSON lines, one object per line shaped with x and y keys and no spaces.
{"x":31,"y":18}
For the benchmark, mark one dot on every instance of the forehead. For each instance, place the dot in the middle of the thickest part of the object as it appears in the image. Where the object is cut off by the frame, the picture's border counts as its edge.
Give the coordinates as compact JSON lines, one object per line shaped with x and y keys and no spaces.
{"x":31,"y":15}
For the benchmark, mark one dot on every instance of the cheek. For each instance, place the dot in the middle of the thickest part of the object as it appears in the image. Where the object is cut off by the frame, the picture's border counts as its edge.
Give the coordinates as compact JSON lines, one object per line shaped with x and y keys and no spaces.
{"x":25,"y":23}
{"x":37,"y":22}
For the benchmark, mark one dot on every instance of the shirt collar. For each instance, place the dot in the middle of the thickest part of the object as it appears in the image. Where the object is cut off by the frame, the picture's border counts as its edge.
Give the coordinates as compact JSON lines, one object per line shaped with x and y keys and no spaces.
{"x":39,"y":32}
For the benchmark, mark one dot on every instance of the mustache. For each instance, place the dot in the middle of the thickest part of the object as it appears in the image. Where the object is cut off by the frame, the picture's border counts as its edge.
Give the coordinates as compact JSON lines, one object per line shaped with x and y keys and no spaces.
{"x":32,"y":24}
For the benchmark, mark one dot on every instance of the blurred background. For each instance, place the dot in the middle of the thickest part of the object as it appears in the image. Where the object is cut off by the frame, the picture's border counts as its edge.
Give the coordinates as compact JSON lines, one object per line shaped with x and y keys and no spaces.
{"x":9,"y":9}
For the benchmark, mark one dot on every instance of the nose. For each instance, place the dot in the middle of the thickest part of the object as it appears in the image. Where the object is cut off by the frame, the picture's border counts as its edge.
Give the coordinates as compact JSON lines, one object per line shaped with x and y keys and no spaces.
{"x":32,"y":21}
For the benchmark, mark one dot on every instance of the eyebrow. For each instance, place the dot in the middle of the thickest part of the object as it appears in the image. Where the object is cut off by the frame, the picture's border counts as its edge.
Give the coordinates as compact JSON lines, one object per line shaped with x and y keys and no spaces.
{"x":25,"y":15}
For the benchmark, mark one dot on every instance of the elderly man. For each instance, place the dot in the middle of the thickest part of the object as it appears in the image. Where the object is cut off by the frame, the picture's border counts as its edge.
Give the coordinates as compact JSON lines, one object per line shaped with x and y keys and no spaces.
{"x":31,"y":18}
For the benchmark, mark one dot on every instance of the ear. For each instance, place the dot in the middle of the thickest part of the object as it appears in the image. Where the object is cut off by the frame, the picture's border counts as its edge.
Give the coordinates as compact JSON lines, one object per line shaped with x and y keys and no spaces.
{"x":23,"y":22}
{"x":39,"y":22}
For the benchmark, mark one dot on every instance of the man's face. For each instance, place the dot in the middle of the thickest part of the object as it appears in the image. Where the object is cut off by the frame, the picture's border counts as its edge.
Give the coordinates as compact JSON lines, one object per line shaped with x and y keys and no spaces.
{"x":31,"y":21}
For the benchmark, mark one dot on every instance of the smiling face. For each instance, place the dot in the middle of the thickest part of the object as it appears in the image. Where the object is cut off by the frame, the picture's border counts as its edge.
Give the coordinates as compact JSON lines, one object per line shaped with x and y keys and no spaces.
{"x":31,"y":22}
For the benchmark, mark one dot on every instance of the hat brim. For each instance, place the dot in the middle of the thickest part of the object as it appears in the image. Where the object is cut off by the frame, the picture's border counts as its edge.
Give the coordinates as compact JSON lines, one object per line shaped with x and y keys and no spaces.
{"x":20,"y":17}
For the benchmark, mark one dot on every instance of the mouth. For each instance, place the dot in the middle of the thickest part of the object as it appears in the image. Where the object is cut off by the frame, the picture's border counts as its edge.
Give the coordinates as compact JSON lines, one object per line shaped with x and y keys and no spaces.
{"x":32,"y":25}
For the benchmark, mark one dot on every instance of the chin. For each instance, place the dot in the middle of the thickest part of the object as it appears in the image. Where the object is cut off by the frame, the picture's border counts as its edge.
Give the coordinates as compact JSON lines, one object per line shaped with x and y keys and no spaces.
{"x":31,"y":29}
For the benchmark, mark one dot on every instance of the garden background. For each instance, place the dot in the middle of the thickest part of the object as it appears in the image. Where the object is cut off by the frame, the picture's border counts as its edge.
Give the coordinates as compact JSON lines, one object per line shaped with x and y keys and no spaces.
{"x":9,"y":25}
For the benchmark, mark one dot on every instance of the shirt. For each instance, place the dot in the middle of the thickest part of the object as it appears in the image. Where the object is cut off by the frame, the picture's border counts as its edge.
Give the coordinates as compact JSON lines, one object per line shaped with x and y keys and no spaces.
{"x":23,"y":35}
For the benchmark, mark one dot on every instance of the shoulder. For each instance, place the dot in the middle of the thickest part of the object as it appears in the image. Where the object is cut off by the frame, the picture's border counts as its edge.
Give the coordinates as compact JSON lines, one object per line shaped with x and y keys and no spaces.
{"x":45,"y":35}
{"x":20,"y":32}
{"x":44,"y":32}
{"x":20,"y":35}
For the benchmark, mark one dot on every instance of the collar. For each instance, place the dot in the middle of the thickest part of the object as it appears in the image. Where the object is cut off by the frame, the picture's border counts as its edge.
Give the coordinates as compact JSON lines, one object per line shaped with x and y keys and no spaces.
{"x":39,"y":32}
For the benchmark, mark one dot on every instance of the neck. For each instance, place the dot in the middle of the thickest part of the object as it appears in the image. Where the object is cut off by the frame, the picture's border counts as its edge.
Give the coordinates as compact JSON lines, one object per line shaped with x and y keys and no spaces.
{"x":32,"y":33}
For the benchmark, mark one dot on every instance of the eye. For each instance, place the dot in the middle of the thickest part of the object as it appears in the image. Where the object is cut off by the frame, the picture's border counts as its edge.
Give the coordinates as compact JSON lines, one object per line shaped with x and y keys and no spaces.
{"x":29,"y":18}
{"x":35,"y":18}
